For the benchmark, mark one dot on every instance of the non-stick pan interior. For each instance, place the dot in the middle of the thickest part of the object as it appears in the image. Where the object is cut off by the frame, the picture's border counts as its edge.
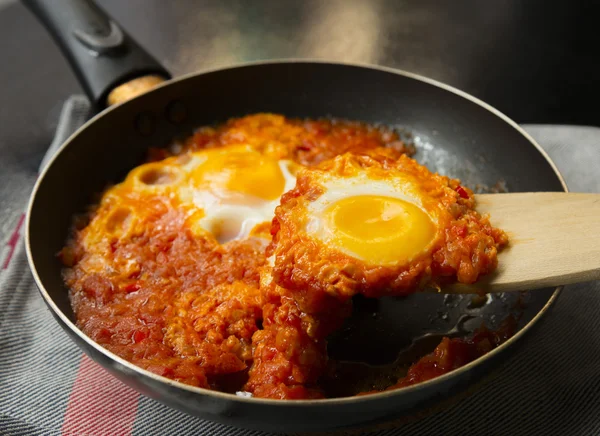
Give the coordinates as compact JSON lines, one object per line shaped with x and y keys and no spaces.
{"x":453,"y":135}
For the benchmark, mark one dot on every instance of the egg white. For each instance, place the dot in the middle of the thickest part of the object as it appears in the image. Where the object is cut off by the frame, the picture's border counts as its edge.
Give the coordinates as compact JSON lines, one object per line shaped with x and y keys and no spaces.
{"x":233,"y":217}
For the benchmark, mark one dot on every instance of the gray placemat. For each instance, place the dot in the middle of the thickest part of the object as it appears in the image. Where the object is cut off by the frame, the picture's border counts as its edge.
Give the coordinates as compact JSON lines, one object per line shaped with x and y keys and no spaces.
{"x":47,"y":387}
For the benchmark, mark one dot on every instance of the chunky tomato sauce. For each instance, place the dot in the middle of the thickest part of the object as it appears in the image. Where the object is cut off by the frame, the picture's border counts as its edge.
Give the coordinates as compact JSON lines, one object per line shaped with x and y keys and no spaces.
{"x":210,"y":315}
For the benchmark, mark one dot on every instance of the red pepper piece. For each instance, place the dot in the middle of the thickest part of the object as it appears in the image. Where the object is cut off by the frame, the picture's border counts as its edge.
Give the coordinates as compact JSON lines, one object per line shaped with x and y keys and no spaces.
{"x":132,"y":287}
{"x":139,"y":336}
{"x":462,"y":192}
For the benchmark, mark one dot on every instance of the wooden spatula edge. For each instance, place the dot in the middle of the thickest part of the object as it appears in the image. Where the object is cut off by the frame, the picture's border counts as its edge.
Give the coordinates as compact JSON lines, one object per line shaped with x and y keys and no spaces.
{"x":554,"y":240}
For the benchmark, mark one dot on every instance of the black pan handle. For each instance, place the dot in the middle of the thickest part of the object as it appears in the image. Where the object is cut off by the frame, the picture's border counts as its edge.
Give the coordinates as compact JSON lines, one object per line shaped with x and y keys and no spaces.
{"x":102,"y":55}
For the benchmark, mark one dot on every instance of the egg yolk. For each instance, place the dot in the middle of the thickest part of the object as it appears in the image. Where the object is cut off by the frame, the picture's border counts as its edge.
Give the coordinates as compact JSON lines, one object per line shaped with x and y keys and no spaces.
{"x":378,"y":229}
{"x":241,"y":171}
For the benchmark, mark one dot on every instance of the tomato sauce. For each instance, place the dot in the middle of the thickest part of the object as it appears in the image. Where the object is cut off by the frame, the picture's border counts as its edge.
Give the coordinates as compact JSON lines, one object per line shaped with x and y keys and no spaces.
{"x":199,"y":312}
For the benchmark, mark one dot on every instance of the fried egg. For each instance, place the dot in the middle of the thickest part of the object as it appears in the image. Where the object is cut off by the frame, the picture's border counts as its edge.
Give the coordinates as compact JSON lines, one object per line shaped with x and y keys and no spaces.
{"x":365,"y":224}
{"x":382,"y":222}
{"x":237,"y":188}
{"x":226,"y":191}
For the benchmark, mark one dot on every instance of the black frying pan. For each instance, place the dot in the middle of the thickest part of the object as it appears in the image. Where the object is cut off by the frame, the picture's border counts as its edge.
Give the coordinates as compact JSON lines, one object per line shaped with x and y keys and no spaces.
{"x":454,"y":134}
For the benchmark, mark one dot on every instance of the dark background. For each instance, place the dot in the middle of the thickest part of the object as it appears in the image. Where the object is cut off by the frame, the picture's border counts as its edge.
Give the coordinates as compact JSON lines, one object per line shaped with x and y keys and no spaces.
{"x":535,"y":60}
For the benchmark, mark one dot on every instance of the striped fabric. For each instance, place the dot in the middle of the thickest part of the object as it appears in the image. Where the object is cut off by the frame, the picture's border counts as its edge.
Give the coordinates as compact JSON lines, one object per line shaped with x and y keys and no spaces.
{"x":48,"y":387}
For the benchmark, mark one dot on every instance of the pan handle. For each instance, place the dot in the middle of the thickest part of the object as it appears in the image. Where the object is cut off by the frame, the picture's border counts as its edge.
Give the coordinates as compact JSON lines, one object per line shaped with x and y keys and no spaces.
{"x":102,"y":55}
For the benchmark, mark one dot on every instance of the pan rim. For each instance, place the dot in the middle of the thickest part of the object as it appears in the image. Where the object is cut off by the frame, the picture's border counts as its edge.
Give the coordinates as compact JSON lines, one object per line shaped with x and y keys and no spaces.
{"x":273,"y":402}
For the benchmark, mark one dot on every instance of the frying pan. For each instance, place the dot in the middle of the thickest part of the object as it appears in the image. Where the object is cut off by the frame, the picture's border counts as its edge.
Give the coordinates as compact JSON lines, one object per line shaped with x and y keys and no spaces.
{"x":454,"y":133}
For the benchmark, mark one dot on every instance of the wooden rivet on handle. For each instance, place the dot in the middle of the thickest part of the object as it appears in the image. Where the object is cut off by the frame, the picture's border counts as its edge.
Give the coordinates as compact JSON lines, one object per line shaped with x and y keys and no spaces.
{"x":145,"y":123}
{"x":176,"y":112}
{"x":133,"y":88}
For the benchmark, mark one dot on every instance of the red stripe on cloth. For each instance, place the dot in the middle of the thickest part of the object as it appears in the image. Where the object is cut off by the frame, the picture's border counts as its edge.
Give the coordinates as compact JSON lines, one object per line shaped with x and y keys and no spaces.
{"x":99,"y":404}
{"x":12,"y":242}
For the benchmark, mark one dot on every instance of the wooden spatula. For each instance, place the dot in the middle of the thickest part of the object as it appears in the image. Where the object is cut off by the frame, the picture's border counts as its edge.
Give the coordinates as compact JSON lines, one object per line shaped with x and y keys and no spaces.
{"x":554,"y":240}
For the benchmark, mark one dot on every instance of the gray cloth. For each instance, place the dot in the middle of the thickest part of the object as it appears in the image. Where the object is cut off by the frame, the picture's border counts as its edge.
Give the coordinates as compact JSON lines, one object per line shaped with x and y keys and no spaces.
{"x":549,"y":387}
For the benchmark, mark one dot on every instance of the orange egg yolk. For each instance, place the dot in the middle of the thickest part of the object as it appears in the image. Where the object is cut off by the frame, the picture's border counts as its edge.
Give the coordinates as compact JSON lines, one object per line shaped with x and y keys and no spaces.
{"x":378,"y":229}
{"x":239,"y":170}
